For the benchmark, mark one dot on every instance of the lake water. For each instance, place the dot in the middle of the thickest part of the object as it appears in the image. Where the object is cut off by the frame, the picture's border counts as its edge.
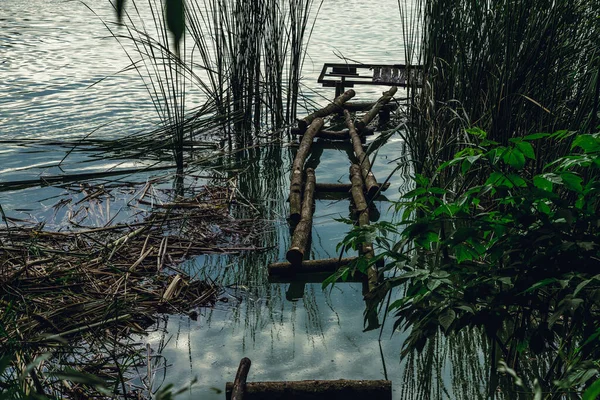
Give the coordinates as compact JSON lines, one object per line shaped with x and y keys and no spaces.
{"x":54,"y":56}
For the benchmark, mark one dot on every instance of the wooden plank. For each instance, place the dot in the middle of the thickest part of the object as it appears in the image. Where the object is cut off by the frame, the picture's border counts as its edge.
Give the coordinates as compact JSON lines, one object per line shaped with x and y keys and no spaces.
{"x":318,"y":390}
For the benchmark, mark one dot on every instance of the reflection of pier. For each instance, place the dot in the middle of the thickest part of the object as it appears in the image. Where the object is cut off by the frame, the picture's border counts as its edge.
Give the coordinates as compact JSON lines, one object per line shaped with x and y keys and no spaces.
{"x":362,"y":188}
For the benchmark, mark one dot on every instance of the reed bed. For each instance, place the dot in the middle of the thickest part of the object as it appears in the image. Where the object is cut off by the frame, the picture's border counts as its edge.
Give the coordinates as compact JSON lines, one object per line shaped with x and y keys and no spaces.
{"x":511,"y":68}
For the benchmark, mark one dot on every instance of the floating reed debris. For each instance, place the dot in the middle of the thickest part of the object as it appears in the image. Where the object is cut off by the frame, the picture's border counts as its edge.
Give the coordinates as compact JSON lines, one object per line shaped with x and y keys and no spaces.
{"x":90,"y":283}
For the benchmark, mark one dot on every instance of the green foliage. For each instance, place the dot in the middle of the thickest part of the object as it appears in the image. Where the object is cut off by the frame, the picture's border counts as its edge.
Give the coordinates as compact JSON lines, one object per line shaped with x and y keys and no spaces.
{"x":517,"y":255}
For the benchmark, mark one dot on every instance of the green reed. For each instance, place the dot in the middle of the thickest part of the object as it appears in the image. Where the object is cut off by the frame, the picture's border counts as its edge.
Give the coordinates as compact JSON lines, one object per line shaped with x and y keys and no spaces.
{"x":509,"y":67}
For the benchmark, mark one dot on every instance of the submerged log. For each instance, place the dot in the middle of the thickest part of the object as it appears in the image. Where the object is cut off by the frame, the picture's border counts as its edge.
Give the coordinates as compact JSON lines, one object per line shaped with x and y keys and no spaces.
{"x":342,"y":187}
{"x":383,"y":100}
{"x":309,"y":266}
{"x":336,"y":105}
{"x":302,"y":232}
{"x":362,"y":209}
{"x":238,"y":388}
{"x":365,"y":165}
{"x":298,"y":166}
{"x":317,"y":390}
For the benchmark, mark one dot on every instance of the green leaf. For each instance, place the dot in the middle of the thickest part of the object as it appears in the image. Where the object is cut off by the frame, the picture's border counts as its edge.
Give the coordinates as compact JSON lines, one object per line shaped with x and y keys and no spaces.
{"x":174,"y":14}
{"x":589,"y":143}
{"x":447,"y":318}
{"x":541,"y":182}
{"x":481,"y":134}
{"x":514,"y":157}
{"x":527,"y":149}
{"x":572,"y":181}
{"x":120,"y":6}
{"x":593,"y":392}
{"x":541,"y":284}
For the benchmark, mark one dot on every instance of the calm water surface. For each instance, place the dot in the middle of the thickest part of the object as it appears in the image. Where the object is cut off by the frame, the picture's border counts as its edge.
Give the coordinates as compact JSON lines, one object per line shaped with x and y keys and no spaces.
{"x":54,"y":58}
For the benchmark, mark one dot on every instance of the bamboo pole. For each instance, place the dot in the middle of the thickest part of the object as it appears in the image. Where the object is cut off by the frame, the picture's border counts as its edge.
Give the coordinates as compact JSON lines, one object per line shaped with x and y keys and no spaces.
{"x":302,"y":232}
{"x":363,"y":220}
{"x":238,"y":388}
{"x":365,"y":165}
{"x":317,"y":390}
{"x":336,"y":105}
{"x":383,"y":100}
{"x":309,"y":266}
{"x":298,"y":166}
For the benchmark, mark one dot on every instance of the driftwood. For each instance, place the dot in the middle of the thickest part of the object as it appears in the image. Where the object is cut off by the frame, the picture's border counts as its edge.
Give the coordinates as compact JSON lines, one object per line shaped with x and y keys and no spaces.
{"x":365,"y":165}
{"x":238,"y":388}
{"x":302,"y":232}
{"x":297,"y":167}
{"x":342,"y":187}
{"x":335,"y":106}
{"x":363,"y":220}
{"x":368,"y":117}
{"x":317,"y":390}
{"x":309,"y":266}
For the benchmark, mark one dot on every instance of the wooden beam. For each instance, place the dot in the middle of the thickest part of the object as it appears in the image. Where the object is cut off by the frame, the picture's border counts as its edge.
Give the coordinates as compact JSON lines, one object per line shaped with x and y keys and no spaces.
{"x":238,"y":388}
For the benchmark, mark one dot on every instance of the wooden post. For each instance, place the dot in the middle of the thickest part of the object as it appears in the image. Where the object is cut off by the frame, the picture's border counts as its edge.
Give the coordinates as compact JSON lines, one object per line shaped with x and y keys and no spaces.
{"x":302,"y":232}
{"x":383,"y":100}
{"x":298,"y":166}
{"x":365,"y":165}
{"x":317,"y":390}
{"x":363,"y":220}
{"x":238,"y":389}
{"x":332,"y":107}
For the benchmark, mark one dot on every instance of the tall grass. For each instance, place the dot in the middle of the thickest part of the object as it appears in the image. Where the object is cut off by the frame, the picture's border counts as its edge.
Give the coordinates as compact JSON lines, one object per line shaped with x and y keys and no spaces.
{"x":511,"y":67}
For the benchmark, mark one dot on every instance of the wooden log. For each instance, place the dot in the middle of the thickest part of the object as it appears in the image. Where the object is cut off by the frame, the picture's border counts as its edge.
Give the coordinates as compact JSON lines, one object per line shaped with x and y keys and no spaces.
{"x":302,"y":232}
{"x":238,"y":388}
{"x":368,"y":117}
{"x":365,"y":165}
{"x":329,"y":134}
{"x":317,"y":390}
{"x":342,"y":187}
{"x":354,"y":106}
{"x":336,"y":105}
{"x":309,"y":266}
{"x":297,"y":167}
{"x":363,"y":220}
